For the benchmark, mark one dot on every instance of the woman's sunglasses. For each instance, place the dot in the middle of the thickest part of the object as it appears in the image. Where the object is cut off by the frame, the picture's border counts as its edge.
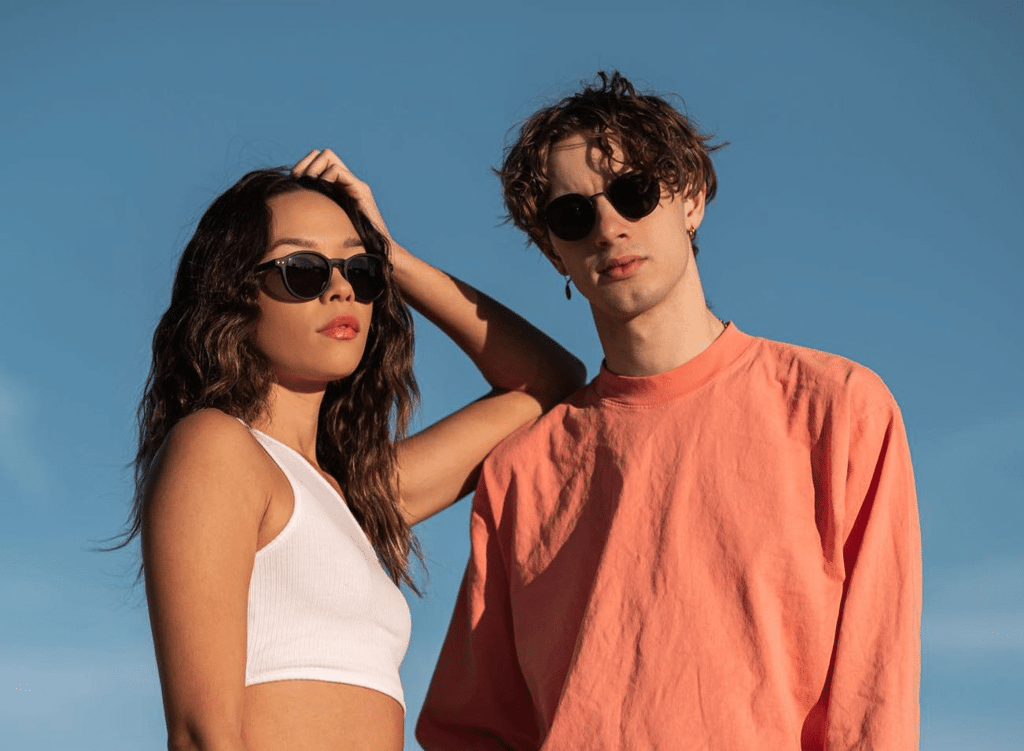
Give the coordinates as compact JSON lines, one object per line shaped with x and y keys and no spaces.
{"x":307,"y":274}
{"x":572,"y":216}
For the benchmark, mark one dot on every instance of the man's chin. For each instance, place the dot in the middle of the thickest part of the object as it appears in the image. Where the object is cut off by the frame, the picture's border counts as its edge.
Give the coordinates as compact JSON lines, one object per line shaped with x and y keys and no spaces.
{"x":622,"y":307}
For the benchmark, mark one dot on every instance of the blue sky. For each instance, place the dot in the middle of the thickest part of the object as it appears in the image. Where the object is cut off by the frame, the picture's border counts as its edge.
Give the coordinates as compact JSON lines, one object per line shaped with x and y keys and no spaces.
{"x":870,"y":204}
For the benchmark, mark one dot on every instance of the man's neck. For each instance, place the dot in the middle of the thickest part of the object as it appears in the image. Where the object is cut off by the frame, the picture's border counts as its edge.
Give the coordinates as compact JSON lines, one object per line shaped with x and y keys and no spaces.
{"x":660,"y":339}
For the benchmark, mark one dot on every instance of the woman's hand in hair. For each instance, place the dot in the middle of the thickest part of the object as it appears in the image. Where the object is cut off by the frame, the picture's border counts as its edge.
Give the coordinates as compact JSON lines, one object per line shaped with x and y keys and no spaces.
{"x":326,"y":165}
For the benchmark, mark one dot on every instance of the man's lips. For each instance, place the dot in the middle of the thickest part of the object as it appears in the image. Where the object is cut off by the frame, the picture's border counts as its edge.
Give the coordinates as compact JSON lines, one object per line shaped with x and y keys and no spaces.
{"x":341,"y":327}
{"x":621,"y":268}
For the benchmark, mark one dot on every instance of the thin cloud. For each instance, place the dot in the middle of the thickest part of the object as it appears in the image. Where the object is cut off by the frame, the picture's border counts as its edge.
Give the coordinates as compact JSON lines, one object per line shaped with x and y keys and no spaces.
{"x":986,"y":632}
{"x":976,"y":607}
{"x":954,"y":461}
{"x":67,"y":697}
{"x":19,"y":460}
{"x":958,"y":731}
{"x":58,"y":675}
{"x":993,"y":584}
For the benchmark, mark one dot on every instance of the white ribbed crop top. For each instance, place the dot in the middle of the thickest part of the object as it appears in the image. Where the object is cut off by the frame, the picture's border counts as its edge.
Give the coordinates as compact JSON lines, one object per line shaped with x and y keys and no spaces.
{"x":321,"y":607}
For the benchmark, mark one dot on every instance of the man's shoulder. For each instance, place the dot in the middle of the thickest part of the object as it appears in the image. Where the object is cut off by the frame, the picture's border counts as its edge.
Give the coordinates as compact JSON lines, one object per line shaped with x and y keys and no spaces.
{"x":824,"y":375}
{"x":533,"y":442}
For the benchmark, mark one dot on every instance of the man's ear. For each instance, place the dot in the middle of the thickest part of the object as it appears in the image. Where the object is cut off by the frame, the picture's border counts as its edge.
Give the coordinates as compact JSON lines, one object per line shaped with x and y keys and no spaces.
{"x":551,"y":255}
{"x":695,"y":210}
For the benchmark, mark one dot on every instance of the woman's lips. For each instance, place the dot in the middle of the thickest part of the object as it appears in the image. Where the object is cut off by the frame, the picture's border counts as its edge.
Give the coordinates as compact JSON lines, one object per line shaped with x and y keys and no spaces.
{"x":342,"y":327}
{"x":622,"y":268}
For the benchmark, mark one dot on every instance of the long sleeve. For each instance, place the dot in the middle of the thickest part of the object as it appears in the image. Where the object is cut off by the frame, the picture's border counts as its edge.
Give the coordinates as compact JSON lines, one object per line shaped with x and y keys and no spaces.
{"x":478,"y":698}
{"x":874,"y":687}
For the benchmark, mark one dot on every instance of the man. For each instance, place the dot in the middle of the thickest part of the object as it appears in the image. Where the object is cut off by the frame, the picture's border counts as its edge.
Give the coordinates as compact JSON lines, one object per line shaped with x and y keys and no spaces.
{"x":715,"y":544}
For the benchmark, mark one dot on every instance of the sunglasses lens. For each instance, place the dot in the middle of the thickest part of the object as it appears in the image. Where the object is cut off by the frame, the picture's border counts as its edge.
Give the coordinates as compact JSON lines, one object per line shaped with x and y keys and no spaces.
{"x":306,"y":275}
{"x":570,"y":217}
{"x":634,"y":195}
{"x":366,"y":275}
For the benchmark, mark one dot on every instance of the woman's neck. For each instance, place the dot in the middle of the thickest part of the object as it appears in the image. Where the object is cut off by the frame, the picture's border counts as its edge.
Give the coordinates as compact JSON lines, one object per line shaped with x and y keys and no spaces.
{"x":291,"y":418}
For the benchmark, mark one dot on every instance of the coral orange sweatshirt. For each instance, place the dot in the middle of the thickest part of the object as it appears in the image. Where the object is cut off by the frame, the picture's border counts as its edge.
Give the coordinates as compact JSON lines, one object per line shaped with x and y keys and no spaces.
{"x":724,"y":556}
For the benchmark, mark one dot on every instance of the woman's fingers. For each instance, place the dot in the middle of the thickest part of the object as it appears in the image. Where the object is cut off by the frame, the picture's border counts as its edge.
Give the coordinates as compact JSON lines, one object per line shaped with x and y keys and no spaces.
{"x":326,"y":165}
{"x":333,"y":173}
{"x":303,"y":164}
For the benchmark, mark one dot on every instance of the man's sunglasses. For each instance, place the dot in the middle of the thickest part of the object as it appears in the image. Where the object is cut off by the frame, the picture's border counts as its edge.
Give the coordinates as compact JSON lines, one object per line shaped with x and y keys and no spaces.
{"x":572,"y":216}
{"x":307,"y":274}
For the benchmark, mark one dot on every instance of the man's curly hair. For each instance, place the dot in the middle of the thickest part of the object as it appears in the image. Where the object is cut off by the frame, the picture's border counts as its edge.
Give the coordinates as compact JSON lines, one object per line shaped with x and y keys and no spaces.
{"x":652,"y":135}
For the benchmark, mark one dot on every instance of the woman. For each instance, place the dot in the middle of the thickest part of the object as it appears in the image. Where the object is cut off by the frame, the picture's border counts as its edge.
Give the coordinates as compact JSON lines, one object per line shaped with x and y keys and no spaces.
{"x":268,"y":479}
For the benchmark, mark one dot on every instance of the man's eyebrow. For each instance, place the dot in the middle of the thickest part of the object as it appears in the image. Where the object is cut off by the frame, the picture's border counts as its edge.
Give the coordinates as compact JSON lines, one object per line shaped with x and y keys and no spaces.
{"x":350,"y":242}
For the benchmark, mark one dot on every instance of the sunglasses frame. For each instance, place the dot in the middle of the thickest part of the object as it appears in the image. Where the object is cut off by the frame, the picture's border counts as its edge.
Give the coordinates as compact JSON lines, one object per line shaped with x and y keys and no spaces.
{"x":580,"y":201}
{"x":342,"y":264}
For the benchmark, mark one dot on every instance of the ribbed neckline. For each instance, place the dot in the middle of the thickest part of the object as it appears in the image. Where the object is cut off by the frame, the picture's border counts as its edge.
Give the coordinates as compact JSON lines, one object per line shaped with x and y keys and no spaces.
{"x":680,"y":381}
{"x":312,"y":470}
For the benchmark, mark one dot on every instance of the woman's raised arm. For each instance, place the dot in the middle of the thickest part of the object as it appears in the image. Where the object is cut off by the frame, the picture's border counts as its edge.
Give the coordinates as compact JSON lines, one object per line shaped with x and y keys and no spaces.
{"x":528,"y":371}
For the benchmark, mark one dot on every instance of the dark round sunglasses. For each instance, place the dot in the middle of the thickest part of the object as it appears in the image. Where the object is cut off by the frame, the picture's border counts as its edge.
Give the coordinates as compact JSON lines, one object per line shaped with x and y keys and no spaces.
{"x":572,"y":216}
{"x":307,"y":274}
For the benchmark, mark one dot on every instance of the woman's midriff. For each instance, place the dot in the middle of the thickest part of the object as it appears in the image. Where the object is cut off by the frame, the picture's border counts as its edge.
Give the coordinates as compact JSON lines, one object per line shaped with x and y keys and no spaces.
{"x":320,"y":716}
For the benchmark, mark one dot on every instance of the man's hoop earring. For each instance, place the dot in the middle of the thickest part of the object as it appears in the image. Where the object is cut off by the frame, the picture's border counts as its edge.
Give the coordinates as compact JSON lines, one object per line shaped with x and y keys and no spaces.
{"x":692,"y":232}
{"x":568,"y":289}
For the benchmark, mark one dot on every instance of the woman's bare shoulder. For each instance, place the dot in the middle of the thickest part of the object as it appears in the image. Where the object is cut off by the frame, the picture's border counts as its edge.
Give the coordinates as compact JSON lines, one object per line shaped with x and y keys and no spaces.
{"x":211,"y":450}
{"x":212,"y":433}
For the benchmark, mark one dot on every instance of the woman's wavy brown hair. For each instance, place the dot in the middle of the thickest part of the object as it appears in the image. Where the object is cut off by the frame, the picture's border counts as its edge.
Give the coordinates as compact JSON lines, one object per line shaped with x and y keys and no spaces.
{"x":653,"y":136}
{"x":205,"y":356}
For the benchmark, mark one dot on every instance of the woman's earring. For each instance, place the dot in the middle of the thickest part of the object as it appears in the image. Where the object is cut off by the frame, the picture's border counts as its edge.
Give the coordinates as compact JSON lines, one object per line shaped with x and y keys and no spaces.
{"x":692,"y":232}
{"x":568,"y":289}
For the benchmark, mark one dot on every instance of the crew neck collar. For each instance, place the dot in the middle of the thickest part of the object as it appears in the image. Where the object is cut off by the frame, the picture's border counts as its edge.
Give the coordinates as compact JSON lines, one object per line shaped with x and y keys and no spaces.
{"x":681,"y":380}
